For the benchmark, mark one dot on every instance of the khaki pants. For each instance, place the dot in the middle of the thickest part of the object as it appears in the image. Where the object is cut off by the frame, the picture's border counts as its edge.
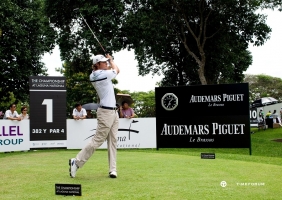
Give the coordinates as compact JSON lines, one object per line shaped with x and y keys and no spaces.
{"x":107,"y":129}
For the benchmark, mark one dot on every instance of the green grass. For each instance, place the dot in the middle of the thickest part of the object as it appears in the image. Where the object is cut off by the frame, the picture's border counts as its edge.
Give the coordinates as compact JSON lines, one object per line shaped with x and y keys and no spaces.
{"x":151,"y":174}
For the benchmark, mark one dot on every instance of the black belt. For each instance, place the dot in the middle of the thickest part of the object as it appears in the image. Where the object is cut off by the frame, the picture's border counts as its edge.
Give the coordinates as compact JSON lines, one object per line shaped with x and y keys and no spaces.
{"x":109,"y":108}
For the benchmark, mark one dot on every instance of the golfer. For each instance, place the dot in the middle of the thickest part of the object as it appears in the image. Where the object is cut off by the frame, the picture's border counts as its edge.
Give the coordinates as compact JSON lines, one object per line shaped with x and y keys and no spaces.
{"x":107,"y":116}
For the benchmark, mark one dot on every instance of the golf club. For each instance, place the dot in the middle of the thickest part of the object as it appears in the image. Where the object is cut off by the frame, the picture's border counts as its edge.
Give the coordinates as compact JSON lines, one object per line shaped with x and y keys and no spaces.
{"x":77,"y":10}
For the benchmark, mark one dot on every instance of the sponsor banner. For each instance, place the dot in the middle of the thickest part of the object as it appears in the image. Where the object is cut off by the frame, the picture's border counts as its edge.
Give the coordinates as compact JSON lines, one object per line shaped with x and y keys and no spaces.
{"x":132,"y":133}
{"x":14,"y":135}
{"x":47,"y":108}
{"x":206,"y":116}
{"x":48,"y":144}
{"x":223,"y":132}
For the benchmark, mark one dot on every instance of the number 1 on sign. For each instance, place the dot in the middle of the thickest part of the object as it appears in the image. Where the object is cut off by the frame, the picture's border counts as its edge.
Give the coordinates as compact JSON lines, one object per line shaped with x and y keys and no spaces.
{"x":49,"y":109}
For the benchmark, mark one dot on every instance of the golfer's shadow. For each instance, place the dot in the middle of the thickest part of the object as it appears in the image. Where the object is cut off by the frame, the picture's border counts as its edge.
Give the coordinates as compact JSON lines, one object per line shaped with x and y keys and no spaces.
{"x":120,"y":129}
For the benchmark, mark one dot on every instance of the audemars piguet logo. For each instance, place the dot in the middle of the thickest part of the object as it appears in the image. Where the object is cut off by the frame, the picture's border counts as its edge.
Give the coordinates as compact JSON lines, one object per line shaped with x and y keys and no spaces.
{"x":213,"y":129}
{"x":216,"y":98}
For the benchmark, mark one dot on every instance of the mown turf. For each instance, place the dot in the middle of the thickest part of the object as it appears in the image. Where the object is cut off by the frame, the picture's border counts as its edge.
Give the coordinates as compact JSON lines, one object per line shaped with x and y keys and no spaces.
{"x":151,"y":174}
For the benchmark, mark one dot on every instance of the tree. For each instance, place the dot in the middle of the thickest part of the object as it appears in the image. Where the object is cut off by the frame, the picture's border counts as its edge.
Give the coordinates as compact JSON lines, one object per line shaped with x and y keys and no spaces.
{"x":6,"y":101}
{"x":190,"y":42}
{"x":144,"y":104}
{"x":74,"y":36}
{"x":77,"y":44}
{"x":25,"y":35}
{"x":79,"y":88}
{"x":184,"y":39}
{"x":264,"y":86}
{"x":272,"y":4}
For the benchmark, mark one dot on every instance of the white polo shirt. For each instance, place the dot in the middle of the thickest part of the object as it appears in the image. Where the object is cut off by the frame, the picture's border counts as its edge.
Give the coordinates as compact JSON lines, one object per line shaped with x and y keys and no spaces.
{"x":102,"y":82}
{"x":9,"y":113}
{"x":80,"y":113}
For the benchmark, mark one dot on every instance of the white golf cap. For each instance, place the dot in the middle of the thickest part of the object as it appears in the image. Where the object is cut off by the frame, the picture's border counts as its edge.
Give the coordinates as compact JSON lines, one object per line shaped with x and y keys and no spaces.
{"x":99,"y":58}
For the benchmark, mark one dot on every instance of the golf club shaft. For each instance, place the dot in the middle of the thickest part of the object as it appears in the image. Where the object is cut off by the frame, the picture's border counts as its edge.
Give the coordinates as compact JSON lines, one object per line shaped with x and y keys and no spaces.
{"x":93,"y":33}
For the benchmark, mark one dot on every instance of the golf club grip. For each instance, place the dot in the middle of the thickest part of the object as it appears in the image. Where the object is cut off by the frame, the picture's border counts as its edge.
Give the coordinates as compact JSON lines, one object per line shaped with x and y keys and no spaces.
{"x":107,"y":52}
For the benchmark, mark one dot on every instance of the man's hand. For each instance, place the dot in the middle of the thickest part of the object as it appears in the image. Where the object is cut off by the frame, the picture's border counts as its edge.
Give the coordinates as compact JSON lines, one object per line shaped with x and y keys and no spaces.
{"x":112,"y":64}
{"x":109,"y":56}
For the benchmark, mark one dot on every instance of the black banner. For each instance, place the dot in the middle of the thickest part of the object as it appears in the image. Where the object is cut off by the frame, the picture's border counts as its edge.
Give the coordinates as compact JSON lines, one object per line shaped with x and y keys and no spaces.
{"x":209,"y":116}
{"x":68,"y":189}
{"x":254,"y":116}
{"x":47,"y":108}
